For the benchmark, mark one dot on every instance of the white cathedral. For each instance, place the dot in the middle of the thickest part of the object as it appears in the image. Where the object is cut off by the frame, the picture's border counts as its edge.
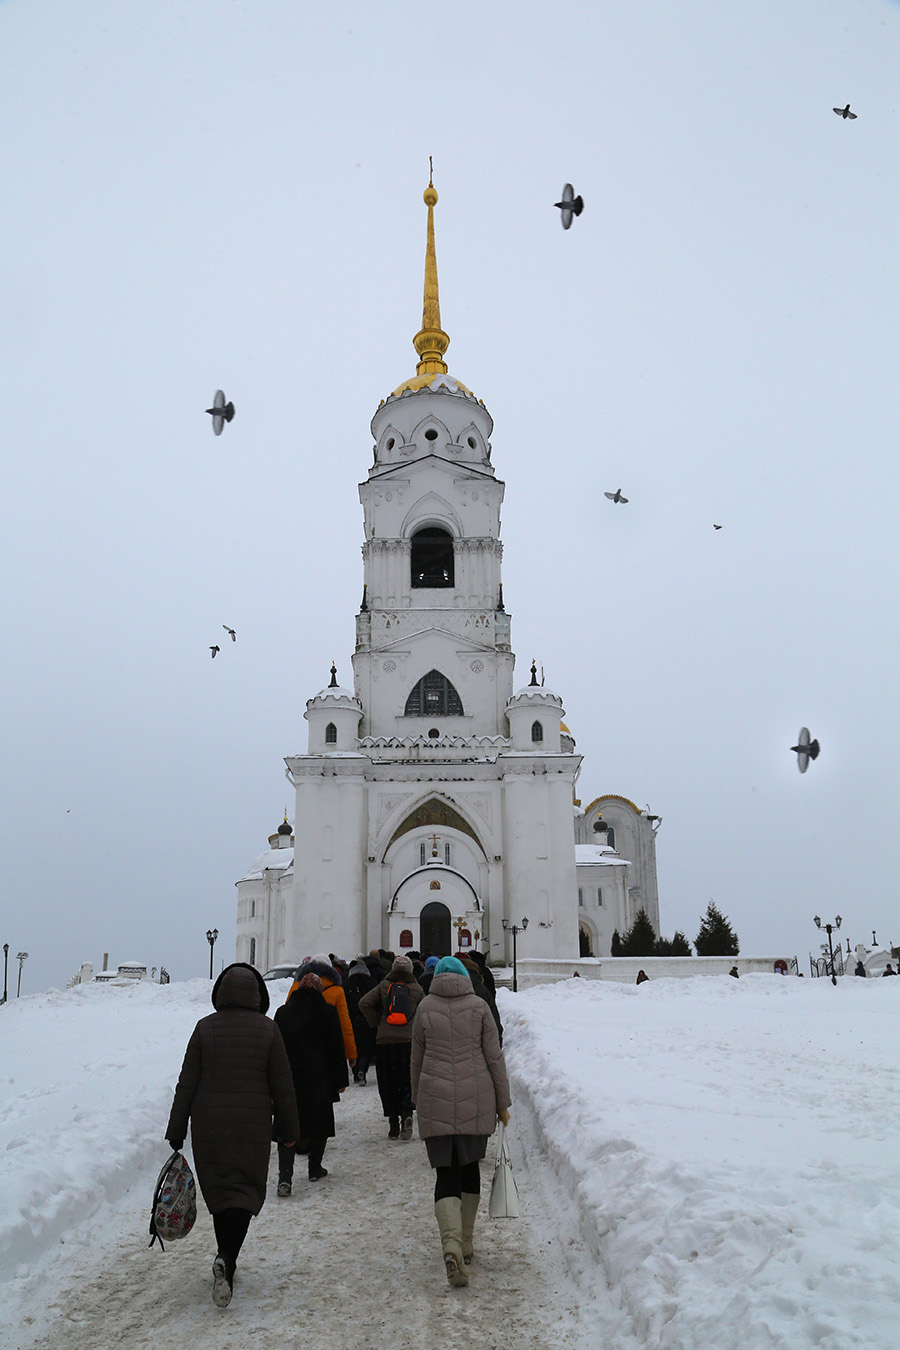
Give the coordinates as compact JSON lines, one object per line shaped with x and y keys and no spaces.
{"x":435,"y":807}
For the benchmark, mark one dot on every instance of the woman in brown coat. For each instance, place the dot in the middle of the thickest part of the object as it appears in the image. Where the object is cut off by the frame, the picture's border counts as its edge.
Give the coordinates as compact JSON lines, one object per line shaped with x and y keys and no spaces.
{"x":461,"y":1090}
{"x":235,"y":1067}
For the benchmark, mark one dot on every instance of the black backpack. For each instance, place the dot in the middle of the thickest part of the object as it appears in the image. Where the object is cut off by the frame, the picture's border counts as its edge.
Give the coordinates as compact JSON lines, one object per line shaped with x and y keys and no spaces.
{"x":399,"y":1004}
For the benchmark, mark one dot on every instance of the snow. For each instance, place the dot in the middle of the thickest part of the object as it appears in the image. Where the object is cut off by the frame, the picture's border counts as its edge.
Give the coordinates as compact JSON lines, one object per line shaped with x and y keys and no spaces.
{"x":702,"y":1162}
{"x":271,"y":860}
{"x":598,"y":855}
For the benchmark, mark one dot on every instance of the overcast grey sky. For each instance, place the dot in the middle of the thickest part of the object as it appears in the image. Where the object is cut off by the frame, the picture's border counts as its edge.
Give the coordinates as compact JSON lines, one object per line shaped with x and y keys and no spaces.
{"x":214,"y":194}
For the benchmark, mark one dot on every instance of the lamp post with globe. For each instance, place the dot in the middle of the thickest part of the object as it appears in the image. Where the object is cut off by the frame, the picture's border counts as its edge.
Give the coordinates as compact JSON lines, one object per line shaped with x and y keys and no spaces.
{"x":211,"y":935}
{"x":829,"y":929}
{"x":515,"y":929}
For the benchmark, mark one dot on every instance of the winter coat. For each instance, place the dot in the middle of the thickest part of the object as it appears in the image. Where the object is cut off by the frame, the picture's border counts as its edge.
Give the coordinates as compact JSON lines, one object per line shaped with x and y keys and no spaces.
{"x":481,"y":989}
{"x":457,"y":1069}
{"x":485,"y":972}
{"x":311,"y":1030}
{"x":359,"y":981}
{"x":333,"y":994}
{"x":235,"y":1068}
{"x":374,"y":1005}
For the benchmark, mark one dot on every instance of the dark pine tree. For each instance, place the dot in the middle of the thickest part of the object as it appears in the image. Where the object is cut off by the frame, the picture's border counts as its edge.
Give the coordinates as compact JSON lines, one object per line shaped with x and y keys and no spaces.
{"x":680,"y":945}
{"x":673,"y":946}
{"x":615,"y":947}
{"x":716,"y":936}
{"x":640,"y":939}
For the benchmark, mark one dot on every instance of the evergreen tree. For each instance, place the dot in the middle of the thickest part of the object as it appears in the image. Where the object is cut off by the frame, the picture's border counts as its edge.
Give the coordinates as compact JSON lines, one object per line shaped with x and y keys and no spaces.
{"x":640,"y":939}
{"x":680,"y":944}
{"x":716,"y":936}
{"x":673,"y":946}
{"x":615,"y":947}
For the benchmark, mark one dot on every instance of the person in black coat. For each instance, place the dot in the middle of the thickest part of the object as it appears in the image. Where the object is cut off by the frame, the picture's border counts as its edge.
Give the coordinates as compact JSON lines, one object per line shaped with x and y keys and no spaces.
{"x":358,"y":982}
{"x":311,"y":1031}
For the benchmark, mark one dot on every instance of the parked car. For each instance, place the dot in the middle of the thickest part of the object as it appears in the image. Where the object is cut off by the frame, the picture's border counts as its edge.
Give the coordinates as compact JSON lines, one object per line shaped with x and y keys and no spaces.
{"x":281,"y":972}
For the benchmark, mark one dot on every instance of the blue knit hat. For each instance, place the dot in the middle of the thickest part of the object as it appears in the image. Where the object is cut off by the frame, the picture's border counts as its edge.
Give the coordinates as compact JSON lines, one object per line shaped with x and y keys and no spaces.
{"x":431,"y":962}
{"x":449,"y":965}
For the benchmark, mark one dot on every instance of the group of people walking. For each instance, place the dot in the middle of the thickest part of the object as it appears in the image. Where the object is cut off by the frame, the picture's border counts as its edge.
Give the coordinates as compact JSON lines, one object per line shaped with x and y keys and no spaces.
{"x":433,"y":1031}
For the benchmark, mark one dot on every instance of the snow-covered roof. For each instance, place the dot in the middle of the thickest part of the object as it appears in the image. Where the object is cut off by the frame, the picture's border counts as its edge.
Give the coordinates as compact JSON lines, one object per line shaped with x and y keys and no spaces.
{"x":273,"y":860}
{"x":598,"y":855}
{"x":334,"y":693}
{"x":539,"y":693}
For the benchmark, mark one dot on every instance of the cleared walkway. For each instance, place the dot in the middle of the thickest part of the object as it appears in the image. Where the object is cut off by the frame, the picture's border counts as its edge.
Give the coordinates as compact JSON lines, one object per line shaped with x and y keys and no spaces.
{"x":352,"y":1261}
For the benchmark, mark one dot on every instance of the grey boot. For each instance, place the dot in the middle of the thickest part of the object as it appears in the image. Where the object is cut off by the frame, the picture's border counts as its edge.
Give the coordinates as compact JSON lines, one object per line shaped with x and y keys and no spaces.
{"x":469,"y":1210}
{"x":448,"y":1213}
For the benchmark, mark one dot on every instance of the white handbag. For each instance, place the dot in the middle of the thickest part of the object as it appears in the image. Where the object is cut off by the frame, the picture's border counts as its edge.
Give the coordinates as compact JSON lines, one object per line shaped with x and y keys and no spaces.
{"x":504,"y":1202}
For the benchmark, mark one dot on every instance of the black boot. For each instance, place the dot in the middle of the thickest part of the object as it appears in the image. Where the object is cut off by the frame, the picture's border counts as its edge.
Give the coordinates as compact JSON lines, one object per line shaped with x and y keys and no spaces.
{"x":394,"y":1127}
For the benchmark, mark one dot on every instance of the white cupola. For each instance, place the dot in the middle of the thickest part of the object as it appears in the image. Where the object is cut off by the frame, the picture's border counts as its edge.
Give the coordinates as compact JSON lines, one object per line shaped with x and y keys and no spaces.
{"x":534,"y":715}
{"x":333,"y":716}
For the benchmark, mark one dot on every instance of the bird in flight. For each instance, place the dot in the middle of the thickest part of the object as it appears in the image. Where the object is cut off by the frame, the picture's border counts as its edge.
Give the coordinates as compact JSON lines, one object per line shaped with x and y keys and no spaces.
{"x":230,"y":631}
{"x":845,"y":113}
{"x":221,"y":412}
{"x":214,"y":650}
{"x":616,"y":496}
{"x":717,"y":527}
{"x":569,"y":206}
{"x":805,"y":750}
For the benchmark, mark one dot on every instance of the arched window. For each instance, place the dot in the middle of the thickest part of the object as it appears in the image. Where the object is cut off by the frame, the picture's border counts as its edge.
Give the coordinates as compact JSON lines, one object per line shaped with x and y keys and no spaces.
{"x":331,"y":734}
{"x":433,"y":696}
{"x":406,"y":938}
{"x":431,"y":558}
{"x":537,"y":732}
{"x":253,"y":951}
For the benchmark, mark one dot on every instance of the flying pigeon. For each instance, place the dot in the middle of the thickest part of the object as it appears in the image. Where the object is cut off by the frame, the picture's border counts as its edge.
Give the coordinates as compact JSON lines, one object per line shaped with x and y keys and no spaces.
{"x":569,"y":206}
{"x":845,"y":113}
{"x":230,"y":631}
{"x":616,"y":496}
{"x":214,"y":650}
{"x":221,"y":412}
{"x":717,"y":527}
{"x":805,"y":750}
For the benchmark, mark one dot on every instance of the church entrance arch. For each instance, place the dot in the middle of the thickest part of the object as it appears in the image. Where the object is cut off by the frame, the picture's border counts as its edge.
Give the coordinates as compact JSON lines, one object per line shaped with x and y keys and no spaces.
{"x":585,"y":940}
{"x":434,"y":929}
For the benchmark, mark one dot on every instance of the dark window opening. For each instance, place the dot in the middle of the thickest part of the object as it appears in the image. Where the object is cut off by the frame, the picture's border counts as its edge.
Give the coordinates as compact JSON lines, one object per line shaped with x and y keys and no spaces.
{"x":331,"y":734}
{"x":432,"y":558}
{"x":433,"y":696}
{"x":472,"y":442}
{"x":537,"y":732}
{"x":431,"y":434}
{"x":433,"y":734}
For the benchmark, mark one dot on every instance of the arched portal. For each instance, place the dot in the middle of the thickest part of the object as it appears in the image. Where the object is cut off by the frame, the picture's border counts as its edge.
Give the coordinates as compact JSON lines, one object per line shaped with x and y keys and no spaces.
{"x":434,"y":929}
{"x":585,"y":941}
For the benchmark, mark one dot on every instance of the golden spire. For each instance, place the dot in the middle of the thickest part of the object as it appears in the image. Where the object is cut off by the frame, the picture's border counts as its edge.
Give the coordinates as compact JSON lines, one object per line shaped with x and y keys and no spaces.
{"x":431,"y":342}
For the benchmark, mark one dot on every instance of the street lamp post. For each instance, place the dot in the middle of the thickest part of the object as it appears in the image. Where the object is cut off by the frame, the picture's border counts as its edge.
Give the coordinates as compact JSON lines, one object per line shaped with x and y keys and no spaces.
{"x":21,"y":957}
{"x":211,"y":935}
{"x":5,"y":963}
{"x":829,"y":929}
{"x":515,"y":929}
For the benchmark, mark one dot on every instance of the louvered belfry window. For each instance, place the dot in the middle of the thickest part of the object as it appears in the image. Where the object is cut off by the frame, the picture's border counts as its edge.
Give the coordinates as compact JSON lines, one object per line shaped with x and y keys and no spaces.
{"x":434,"y":696}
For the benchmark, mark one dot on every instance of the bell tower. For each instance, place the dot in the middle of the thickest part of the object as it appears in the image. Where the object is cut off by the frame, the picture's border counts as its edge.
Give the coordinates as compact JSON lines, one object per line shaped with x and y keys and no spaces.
{"x":432,"y":638}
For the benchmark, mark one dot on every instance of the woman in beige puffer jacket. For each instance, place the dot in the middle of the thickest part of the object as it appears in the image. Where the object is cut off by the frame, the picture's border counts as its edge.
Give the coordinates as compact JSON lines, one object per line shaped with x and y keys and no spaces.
{"x":460,"y":1088}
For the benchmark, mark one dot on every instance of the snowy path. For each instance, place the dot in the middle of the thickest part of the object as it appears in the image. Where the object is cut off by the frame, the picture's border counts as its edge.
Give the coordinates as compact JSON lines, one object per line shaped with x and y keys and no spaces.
{"x":352,"y":1260}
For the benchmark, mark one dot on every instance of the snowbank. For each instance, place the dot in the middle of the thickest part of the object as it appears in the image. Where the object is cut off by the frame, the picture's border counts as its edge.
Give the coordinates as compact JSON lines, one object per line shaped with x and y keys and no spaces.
{"x":88,"y":1077}
{"x":731,"y":1148}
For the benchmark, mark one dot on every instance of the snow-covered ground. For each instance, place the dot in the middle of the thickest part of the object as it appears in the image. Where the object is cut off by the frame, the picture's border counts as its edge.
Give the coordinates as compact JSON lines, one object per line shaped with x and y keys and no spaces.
{"x":703,"y":1163}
